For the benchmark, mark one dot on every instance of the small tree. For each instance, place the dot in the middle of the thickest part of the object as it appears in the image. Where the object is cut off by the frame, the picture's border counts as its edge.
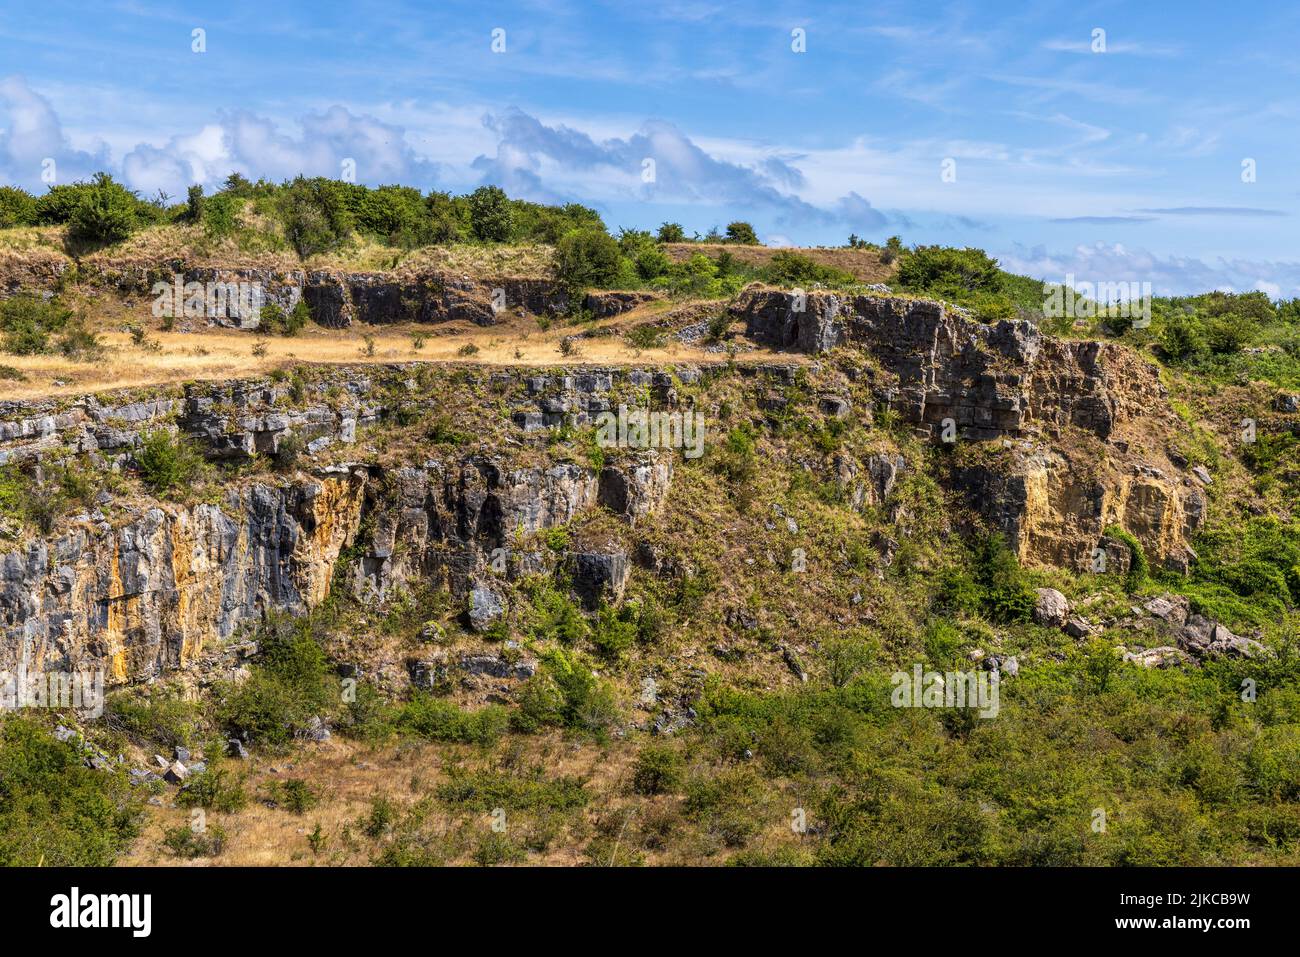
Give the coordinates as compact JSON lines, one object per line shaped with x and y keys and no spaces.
{"x":490,"y":217}
{"x":741,"y":233}
{"x":671,"y":233}
{"x":587,"y":257}
{"x":194,"y":203}
{"x":167,"y":461}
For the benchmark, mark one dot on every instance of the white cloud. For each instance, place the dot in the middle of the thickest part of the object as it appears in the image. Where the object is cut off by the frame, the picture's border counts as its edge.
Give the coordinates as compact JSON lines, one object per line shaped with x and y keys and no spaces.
{"x":1169,"y":276}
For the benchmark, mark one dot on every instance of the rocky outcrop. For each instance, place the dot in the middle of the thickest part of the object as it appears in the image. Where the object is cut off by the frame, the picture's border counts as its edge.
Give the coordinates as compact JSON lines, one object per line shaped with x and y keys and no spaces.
{"x":1052,"y":490}
{"x":233,"y":296}
{"x":146,"y":596}
{"x":1054,"y":511}
{"x":989,"y":381}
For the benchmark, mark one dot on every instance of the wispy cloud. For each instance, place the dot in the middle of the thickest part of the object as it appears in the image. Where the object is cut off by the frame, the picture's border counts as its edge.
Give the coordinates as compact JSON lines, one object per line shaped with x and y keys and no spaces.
{"x":1214,"y":211}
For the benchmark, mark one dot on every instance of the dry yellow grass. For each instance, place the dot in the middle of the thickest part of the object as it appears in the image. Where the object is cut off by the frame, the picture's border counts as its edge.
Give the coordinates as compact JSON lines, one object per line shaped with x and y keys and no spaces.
{"x":347,"y":777}
{"x":864,"y":264}
{"x":229,"y":353}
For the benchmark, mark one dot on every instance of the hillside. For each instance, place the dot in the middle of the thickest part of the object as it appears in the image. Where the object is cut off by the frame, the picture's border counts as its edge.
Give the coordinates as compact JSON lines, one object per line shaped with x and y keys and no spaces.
{"x":371,"y":578}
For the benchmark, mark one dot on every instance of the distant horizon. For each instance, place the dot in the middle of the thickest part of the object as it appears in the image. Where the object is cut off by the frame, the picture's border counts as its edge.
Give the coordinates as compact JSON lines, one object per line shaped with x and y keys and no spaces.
{"x":1116,"y":144}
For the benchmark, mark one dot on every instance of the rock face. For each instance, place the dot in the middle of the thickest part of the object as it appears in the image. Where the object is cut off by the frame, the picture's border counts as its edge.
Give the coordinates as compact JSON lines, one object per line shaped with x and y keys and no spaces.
{"x":1052,"y":490}
{"x":144,"y":597}
{"x":638,"y":487}
{"x":335,"y":297}
{"x":990,"y":380}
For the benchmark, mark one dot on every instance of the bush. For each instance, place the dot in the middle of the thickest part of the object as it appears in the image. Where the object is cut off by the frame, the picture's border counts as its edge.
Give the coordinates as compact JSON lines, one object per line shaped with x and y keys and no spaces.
{"x":275,"y":320}
{"x":290,"y":684}
{"x":315,"y":215}
{"x":17,"y":207}
{"x":220,"y":214}
{"x":565,"y":692}
{"x":791,"y":269}
{"x":162,"y":720}
{"x":168,"y":461}
{"x":215,"y":789}
{"x":295,"y":795}
{"x":587,"y":257}
{"x":185,"y":842}
{"x":614,"y":631}
{"x":658,"y":770}
{"x":55,"y":811}
{"x":107,"y":213}
{"x":27,"y":324}
{"x":948,"y":272}
{"x":1138,"y":568}
{"x":671,"y":233}
{"x":645,"y":336}
{"x":440,"y":720}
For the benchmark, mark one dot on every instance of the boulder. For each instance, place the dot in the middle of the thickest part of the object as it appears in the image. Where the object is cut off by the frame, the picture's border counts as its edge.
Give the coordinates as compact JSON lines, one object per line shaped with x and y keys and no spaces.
{"x":1052,"y":608}
{"x":1079,"y":628}
{"x":1162,"y":657}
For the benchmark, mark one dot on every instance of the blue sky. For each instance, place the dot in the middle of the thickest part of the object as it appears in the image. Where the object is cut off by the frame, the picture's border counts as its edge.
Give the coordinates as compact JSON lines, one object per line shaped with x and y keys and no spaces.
{"x":1125,"y":164}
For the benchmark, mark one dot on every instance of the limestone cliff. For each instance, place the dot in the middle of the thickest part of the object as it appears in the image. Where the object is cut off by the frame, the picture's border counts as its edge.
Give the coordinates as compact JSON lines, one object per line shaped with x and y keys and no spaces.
{"x":1055,"y":441}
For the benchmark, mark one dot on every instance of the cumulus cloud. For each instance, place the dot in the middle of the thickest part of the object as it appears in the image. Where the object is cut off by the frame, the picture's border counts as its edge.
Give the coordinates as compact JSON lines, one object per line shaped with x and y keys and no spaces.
{"x":658,"y":164}
{"x":244,"y":142}
{"x":31,"y":136}
{"x":1169,"y":276}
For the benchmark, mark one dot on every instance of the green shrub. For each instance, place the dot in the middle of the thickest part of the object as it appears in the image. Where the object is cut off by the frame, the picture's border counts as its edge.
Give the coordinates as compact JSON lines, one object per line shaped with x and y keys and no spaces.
{"x":949,"y":272}
{"x":188,"y":843}
{"x":163,"y":719}
{"x":17,"y":207}
{"x":289,"y":685}
{"x":107,"y":213}
{"x":565,"y":692}
{"x":1138,"y":568}
{"x":741,"y":233}
{"x":792,"y":269}
{"x":587,"y":257}
{"x":28,"y":324}
{"x":671,"y":233}
{"x":658,"y":770}
{"x":275,"y":320}
{"x":168,"y":461}
{"x":314,"y":214}
{"x":295,"y":795}
{"x":614,"y":630}
{"x":645,"y":337}
{"x":554,"y":616}
{"x":439,"y":720}
{"x":55,"y":811}
{"x":220,"y":214}
{"x":216,"y":789}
